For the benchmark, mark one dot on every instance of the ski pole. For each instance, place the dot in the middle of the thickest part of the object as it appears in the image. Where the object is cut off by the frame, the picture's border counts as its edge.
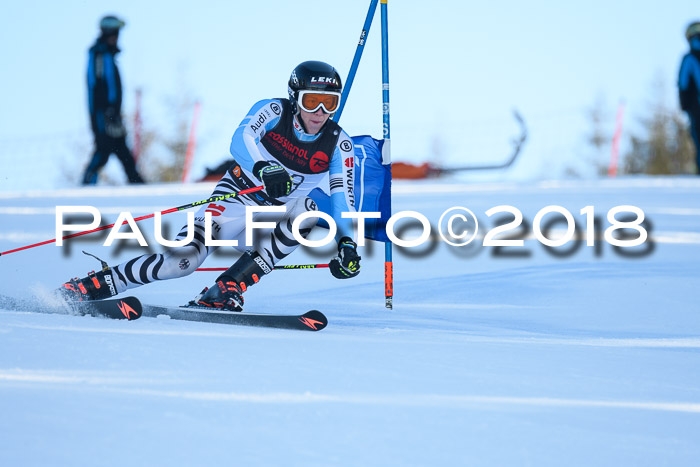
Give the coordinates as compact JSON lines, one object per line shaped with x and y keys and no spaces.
{"x":167,"y":211}
{"x":276,"y":268}
{"x":356,"y":59}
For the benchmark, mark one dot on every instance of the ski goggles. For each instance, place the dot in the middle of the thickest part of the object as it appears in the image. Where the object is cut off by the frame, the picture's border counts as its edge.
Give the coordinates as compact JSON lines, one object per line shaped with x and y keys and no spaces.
{"x":311,"y":101}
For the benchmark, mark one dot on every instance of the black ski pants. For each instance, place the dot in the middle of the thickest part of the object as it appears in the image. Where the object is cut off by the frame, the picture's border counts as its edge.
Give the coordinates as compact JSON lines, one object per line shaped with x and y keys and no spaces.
{"x":104,"y":147}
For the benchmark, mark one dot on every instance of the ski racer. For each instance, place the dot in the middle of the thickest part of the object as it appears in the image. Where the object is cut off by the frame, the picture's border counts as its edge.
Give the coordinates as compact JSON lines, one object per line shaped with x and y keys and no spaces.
{"x":289,"y":146}
{"x":689,"y":85}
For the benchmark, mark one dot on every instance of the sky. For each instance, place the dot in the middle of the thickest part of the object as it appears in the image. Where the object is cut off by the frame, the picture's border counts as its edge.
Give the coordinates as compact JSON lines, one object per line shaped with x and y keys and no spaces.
{"x":457,"y":70}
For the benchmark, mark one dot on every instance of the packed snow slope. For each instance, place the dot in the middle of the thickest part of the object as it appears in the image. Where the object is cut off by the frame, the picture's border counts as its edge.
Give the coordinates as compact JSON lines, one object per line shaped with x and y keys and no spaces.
{"x":579,"y":355}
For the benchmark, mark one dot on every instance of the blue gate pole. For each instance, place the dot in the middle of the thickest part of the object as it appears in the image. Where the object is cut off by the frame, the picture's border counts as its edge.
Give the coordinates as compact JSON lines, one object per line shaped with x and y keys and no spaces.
{"x":356,"y":59}
{"x":386,"y":152}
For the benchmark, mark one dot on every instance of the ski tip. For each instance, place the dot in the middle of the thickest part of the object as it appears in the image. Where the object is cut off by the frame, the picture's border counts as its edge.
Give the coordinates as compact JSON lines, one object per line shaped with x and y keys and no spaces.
{"x":314,"y":320}
{"x":130,"y":307}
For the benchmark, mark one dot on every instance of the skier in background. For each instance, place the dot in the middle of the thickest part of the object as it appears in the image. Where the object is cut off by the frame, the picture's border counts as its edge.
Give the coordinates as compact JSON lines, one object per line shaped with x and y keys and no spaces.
{"x":105,"y":103}
{"x":689,"y":85}
{"x":289,"y":146}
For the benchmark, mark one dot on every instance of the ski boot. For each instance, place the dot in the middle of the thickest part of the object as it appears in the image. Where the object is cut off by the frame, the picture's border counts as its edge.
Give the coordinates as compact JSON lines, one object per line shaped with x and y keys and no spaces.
{"x":227,"y":293}
{"x":96,"y":286}
{"x":224,"y":295}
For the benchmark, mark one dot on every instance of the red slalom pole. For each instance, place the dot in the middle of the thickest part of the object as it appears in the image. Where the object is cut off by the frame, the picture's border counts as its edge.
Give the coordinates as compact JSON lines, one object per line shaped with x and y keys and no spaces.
{"x":614,"y":151}
{"x":191,"y":142}
{"x":137,"y":127}
{"x":167,"y":211}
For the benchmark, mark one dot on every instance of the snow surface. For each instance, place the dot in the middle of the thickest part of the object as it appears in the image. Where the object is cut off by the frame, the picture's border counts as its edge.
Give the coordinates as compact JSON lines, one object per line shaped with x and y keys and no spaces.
{"x":587,"y":359}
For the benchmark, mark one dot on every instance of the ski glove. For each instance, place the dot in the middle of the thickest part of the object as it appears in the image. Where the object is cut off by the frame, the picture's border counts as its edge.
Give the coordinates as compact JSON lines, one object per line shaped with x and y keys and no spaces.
{"x":275,"y":178}
{"x":347,"y":263}
{"x":114,"y":128}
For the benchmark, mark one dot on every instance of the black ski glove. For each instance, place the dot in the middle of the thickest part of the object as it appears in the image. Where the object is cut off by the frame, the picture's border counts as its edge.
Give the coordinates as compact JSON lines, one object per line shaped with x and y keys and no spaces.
{"x":347,"y":263}
{"x":114,"y":128}
{"x":275,"y":178}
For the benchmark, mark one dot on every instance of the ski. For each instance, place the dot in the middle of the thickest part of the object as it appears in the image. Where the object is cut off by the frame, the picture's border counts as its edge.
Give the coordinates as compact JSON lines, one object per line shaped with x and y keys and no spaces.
{"x":310,"y":321}
{"x":114,"y":308}
{"x":130,"y":308}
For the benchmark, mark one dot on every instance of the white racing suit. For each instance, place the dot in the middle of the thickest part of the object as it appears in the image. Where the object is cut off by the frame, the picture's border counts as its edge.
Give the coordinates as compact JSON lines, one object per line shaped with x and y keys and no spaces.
{"x":268,"y":133}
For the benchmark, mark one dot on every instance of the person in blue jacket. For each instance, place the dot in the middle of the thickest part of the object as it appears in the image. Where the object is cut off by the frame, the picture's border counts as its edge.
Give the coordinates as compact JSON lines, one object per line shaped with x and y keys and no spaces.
{"x":105,"y":104}
{"x":290,"y":147}
{"x":689,"y":85}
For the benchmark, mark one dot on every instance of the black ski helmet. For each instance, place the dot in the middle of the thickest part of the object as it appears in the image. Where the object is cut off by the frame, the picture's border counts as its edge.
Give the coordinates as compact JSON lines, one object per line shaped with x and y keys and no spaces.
{"x":110,"y":25}
{"x":692,"y":30}
{"x":312,"y":75}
